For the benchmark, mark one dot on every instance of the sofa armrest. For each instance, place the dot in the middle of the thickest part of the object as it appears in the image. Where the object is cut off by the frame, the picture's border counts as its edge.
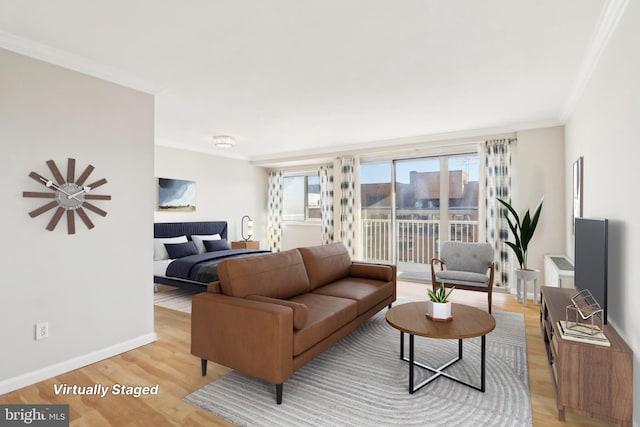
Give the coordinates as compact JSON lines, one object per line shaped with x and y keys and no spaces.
{"x":214,"y":287}
{"x":300,"y":311}
{"x":253,"y":337}
{"x":372,"y":271}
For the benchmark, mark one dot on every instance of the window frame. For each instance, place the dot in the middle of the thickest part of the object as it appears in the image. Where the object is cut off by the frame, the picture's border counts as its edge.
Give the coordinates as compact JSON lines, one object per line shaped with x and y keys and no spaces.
{"x":306,"y":220}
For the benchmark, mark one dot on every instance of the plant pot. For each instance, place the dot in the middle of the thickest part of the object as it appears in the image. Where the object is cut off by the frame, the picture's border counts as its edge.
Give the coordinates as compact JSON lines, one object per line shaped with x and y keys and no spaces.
{"x":439,"y":311}
{"x":524,"y":275}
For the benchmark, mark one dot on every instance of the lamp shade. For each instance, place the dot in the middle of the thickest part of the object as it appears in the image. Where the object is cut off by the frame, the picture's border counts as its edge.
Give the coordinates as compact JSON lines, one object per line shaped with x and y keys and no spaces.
{"x":247,"y":227}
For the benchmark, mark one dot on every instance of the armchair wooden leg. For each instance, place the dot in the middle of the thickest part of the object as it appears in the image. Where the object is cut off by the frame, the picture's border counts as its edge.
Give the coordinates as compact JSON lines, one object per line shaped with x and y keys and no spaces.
{"x":279,"y":393}
{"x":203,"y":365}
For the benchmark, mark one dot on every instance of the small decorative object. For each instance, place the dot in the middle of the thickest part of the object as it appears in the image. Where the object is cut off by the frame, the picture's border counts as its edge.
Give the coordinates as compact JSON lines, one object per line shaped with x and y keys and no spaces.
{"x":247,"y":224}
{"x":522,"y":231}
{"x":586,"y":312}
{"x":70,"y":195}
{"x":438,"y":306}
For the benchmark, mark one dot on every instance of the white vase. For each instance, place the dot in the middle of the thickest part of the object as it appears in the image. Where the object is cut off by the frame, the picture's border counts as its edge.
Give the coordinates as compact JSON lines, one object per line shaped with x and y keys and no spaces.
{"x":439,"y":311}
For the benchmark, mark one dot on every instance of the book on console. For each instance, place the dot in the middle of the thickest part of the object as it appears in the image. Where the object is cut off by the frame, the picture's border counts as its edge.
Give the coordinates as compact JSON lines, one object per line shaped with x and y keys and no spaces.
{"x":580,"y":334}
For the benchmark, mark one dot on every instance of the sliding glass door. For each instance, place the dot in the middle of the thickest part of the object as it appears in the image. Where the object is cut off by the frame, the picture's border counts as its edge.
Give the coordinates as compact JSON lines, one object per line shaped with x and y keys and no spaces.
{"x":410,"y":206}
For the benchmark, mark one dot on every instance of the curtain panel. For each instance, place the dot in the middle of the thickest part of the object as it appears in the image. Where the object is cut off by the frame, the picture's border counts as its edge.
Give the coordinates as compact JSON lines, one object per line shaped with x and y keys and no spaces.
{"x":498,"y":185}
{"x":325,"y":173}
{"x":274,"y":210}
{"x":349,"y":203}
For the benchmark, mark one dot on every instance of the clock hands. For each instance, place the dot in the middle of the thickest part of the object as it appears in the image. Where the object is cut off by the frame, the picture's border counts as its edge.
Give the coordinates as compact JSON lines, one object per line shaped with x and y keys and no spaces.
{"x":85,"y":189}
{"x":50,"y":184}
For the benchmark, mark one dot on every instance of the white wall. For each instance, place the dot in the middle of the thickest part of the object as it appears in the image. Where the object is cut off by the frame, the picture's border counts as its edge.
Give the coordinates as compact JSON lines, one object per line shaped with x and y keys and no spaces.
{"x":300,"y":235}
{"x":226,"y":190}
{"x":604,"y":129}
{"x":539,"y":172}
{"x":94,"y":310}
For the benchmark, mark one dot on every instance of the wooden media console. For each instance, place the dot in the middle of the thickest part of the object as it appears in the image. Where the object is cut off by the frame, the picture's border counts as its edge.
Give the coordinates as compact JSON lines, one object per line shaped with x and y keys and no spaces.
{"x":588,"y":379}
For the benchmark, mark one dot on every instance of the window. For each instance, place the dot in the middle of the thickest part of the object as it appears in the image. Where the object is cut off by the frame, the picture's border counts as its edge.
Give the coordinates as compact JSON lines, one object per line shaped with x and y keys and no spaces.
{"x":406,"y":212}
{"x":301,"y":198}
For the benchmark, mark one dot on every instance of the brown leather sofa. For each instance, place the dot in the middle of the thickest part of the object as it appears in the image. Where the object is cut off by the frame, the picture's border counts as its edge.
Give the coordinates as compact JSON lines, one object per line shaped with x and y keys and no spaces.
{"x":271,"y":314}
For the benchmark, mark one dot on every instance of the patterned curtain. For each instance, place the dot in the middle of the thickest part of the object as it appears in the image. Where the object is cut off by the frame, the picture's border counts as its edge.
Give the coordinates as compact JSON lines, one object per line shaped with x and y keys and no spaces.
{"x":274,"y":210}
{"x":349,"y":205}
{"x":326,"y":203}
{"x":498,"y":184}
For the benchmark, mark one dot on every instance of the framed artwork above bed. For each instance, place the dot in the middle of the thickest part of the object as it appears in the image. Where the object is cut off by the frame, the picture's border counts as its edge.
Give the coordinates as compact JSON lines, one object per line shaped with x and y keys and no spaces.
{"x":176,"y":195}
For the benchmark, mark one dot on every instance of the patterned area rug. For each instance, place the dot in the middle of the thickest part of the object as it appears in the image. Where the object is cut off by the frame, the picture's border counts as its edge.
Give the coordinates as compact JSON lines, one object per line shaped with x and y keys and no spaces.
{"x":361,"y":381}
{"x":174,"y":299}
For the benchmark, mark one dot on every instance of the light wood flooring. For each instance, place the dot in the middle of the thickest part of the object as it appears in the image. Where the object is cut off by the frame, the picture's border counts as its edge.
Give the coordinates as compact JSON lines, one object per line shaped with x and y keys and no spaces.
{"x":168,"y":363}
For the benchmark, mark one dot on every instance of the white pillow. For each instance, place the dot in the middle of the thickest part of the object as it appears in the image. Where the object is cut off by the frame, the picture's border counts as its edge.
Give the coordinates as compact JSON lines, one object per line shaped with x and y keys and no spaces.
{"x":199,"y":238}
{"x":159,"y":251}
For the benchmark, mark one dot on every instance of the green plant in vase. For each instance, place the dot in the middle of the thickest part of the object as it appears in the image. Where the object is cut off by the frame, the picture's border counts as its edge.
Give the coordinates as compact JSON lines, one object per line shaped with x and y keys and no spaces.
{"x":522,"y":231}
{"x":441,"y":295}
{"x":438,"y":306}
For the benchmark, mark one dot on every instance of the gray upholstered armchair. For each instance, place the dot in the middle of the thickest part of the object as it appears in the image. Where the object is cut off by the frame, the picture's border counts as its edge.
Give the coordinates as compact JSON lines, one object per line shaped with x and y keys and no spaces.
{"x":466,"y":267}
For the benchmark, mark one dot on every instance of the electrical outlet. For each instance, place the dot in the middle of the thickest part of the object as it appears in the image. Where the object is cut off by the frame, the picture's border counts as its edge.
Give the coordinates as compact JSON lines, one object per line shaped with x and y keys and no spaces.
{"x":42,"y":330}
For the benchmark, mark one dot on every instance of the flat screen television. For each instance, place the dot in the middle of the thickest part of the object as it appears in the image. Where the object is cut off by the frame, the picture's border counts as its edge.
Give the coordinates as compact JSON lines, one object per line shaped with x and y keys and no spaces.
{"x":591,"y":259}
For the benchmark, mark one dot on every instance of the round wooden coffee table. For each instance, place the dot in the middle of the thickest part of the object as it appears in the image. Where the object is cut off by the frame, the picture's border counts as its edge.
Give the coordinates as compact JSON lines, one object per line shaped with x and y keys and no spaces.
{"x":467,"y":322}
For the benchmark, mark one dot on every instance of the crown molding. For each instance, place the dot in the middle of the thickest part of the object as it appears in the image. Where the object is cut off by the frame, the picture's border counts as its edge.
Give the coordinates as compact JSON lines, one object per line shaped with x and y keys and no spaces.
{"x":607,"y":24}
{"x":74,"y":62}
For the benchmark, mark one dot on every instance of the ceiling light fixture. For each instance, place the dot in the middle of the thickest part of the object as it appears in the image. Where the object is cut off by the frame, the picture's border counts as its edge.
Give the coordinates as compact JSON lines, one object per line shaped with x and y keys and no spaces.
{"x":224,"y":141}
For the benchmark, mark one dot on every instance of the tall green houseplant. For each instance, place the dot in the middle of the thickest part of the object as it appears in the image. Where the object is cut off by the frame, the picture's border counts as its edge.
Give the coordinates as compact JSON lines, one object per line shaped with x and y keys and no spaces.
{"x":522,"y":230}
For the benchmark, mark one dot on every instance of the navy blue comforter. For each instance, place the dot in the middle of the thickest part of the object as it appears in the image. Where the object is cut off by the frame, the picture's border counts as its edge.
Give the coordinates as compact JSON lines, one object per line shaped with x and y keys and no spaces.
{"x":204,"y":267}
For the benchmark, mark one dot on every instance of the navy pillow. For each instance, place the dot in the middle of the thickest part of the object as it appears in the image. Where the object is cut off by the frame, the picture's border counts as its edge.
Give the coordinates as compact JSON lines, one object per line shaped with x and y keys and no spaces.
{"x":216,"y":245}
{"x":179,"y":250}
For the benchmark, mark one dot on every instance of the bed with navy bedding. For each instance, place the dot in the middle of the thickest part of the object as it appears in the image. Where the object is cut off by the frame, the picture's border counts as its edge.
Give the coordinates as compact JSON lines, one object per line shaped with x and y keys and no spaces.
{"x":186,"y":254}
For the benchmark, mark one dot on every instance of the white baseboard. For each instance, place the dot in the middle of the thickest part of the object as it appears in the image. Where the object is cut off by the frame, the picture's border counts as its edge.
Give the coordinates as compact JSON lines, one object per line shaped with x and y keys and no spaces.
{"x":47,"y":372}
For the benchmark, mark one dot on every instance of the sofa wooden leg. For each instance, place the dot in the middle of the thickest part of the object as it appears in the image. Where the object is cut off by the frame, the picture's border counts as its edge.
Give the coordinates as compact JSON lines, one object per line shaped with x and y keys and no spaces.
{"x":279,"y":393}
{"x":203,"y":365}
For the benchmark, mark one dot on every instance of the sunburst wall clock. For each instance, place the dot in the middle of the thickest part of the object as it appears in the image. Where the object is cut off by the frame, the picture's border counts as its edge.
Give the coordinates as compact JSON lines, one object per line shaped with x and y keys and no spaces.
{"x":70,"y":195}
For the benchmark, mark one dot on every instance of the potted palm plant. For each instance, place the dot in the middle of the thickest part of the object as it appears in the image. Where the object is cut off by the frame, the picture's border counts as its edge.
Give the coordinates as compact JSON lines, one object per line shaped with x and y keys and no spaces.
{"x":439,"y":306}
{"x":523,"y":233}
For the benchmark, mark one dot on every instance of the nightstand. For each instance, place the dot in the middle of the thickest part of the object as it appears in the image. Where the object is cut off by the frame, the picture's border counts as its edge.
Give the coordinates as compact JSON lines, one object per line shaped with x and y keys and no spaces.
{"x":245,"y":244}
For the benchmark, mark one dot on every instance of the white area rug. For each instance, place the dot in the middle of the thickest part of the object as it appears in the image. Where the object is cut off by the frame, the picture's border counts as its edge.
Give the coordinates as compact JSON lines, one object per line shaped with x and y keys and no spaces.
{"x":174,"y":299}
{"x":361,"y":381}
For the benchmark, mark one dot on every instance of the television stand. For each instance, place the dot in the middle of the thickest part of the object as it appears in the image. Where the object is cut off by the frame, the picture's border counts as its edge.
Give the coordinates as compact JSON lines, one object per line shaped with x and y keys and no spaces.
{"x":588,"y":379}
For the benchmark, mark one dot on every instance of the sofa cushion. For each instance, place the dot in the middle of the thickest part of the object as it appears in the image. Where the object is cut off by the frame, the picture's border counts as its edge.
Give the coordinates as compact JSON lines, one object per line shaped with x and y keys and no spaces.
{"x":278,"y":275}
{"x":300,"y":311}
{"x":366,"y":292}
{"x":326,"y":263}
{"x":327,"y":314}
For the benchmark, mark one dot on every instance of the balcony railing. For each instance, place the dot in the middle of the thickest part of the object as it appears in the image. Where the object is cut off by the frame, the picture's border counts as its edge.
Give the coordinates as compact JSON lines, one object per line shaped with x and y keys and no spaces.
{"x":416,"y":242}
